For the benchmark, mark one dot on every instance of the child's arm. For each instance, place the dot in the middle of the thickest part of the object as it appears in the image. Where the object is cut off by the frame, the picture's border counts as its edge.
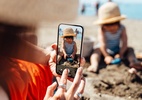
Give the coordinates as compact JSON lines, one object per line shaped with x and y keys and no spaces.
{"x":63,"y":49}
{"x":124,"y":42}
{"x":74,"y":49}
{"x":102,"y":41}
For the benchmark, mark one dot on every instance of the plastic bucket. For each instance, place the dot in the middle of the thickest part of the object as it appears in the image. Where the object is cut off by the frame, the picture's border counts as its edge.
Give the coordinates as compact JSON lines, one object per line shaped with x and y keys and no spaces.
{"x":88,"y":44}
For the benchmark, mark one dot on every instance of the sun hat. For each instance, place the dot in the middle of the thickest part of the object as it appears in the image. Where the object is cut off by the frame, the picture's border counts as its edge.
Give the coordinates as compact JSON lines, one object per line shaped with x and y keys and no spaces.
{"x":68,"y":32}
{"x":33,"y":12}
{"x":109,"y":13}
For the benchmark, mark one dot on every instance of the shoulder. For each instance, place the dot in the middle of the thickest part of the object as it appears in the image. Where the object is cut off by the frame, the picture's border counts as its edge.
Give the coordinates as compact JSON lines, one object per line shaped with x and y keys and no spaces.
{"x":122,"y":27}
{"x":123,"y":30}
{"x":63,"y":42}
{"x":100,"y":32}
{"x":74,"y":42}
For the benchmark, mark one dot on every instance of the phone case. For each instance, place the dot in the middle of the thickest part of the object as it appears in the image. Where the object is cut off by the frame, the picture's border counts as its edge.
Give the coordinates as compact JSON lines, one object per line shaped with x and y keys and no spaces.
{"x":69,"y":42}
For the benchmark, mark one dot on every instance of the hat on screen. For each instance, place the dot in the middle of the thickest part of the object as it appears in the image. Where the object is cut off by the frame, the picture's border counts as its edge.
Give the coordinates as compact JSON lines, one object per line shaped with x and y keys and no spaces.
{"x":68,"y":32}
{"x":109,"y":13}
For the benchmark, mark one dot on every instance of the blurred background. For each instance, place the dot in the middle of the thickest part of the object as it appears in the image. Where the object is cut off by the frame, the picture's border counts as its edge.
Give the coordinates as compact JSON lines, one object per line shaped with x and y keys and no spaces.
{"x":87,"y":13}
{"x":131,"y":8}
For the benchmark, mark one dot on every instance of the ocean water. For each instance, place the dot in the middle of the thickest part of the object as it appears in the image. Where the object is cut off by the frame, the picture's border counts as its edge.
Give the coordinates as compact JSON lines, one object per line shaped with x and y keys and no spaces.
{"x":131,"y":8}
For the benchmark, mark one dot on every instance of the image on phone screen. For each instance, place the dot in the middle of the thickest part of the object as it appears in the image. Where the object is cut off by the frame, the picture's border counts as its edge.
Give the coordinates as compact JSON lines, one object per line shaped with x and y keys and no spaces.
{"x":69,"y":42}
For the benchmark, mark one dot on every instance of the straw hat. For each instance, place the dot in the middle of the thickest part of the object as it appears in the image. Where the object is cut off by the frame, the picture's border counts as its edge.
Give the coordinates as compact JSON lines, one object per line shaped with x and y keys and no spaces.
{"x":109,"y":13}
{"x":33,"y":12}
{"x":68,"y":32}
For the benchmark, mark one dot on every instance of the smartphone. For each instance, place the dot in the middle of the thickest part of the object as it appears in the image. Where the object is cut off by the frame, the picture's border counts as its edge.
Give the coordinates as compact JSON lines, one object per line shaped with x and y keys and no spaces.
{"x":69,"y":42}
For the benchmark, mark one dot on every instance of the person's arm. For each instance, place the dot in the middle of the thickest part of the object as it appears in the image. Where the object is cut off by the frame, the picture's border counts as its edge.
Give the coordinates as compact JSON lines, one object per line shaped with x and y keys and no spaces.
{"x":124,"y":43}
{"x":24,"y":50}
{"x":3,"y":95}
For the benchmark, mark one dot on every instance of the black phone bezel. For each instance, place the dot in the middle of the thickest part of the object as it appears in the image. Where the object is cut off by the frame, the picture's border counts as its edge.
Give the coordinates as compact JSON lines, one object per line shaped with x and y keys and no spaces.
{"x":72,"y":75}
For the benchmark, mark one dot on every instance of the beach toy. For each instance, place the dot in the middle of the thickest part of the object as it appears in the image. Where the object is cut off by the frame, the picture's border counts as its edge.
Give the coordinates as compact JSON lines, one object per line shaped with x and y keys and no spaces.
{"x":88,"y":44}
{"x":116,"y":61}
{"x":70,"y":59}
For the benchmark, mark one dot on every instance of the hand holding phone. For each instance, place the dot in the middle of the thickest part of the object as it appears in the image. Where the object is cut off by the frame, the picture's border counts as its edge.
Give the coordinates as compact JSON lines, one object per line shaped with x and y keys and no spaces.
{"x":69,"y":42}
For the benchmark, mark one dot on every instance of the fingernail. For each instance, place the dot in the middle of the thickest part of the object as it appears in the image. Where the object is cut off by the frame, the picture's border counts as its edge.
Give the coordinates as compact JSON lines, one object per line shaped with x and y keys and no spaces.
{"x":80,"y":69}
{"x":68,"y":70}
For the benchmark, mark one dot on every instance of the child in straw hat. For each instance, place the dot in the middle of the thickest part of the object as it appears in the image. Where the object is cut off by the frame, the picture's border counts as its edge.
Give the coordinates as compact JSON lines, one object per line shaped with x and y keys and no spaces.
{"x":68,"y":46}
{"x":25,"y":70}
{"x":112,"y":39}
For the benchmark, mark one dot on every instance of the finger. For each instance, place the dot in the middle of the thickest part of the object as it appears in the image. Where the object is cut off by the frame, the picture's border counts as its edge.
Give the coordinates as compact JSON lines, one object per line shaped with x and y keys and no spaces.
{"x":76,"y":82}
{"x":51,"y":48}
{"x":53,"y":56}
{"x":58,"y":79}
{"x":54,"y":46}
{"x":52,"y":62}
{"x":53,"y":53}
{"x":83,"y":61}
{"x":50,"y":91}
{"x":80,"y":89}
{"x":63,"y":81}
{"x":81,"y":86}
{"x":52,"y":65}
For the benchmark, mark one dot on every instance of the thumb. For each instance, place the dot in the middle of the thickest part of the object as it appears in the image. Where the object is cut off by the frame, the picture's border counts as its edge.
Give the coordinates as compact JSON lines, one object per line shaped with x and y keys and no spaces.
{"x":54,"y":46}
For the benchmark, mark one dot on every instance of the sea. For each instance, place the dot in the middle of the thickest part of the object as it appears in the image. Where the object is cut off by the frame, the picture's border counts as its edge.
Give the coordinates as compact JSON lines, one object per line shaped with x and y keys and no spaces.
{"x":131,"y":8}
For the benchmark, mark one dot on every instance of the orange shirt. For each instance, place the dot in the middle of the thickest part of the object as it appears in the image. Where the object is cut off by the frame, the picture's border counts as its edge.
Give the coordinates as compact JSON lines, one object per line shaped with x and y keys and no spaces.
{"x":24,"y":80}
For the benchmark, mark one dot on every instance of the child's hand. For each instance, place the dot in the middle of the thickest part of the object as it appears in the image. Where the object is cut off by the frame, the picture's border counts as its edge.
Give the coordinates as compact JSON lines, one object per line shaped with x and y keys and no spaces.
{"x":117,"y":56}
{"x":65,"y":56}
{"x":72,"y":56}
{"x":108,"y":59}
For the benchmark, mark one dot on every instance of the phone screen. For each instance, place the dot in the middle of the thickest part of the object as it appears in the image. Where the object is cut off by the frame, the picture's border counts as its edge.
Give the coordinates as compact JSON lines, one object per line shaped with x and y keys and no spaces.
{"x":69,"y":42}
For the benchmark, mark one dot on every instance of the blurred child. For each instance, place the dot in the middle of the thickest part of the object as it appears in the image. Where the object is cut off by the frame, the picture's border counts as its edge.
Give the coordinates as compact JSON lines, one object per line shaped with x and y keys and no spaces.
{"x":68,"y":46}
{"x":112,"y":39}
{"x":97,"y":5}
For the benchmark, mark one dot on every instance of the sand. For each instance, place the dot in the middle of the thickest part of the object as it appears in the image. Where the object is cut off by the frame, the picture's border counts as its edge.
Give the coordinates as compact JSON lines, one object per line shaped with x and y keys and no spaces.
{"x":133,"y":28}
{"x":111,"y":82}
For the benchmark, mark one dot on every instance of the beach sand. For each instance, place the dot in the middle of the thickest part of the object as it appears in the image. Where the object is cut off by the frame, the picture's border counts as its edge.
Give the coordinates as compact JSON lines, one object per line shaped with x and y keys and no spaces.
{"x":48,"y":33}
{"x":111,"y":82}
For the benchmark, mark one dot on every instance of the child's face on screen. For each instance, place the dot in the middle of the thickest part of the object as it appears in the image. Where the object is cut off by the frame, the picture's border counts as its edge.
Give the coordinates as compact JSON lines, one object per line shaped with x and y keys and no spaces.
{"x":69,"y":39}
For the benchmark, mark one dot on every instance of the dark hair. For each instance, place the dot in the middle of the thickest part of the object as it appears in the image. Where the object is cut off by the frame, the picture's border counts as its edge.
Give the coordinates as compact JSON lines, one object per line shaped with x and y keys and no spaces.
{"x":110,"y":24}
{"x":71,"y":37}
